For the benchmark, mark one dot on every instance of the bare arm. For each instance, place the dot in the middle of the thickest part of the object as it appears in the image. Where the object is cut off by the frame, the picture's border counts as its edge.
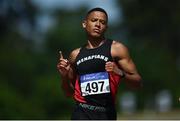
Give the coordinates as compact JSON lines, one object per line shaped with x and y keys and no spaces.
{"x":121,"y":55}
{"x":67,"y":72}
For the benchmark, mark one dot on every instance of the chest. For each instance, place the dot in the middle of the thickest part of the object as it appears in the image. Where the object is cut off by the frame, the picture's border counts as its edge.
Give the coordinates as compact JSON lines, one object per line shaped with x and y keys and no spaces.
{"x":92,"y":62}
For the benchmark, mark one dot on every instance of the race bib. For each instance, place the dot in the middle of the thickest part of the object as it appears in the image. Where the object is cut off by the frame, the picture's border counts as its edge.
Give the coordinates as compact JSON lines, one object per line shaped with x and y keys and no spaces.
{"x":95,"y":83}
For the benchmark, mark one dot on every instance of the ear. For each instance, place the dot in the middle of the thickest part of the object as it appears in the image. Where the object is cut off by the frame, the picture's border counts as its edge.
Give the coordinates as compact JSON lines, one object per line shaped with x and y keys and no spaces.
{"x":84,"y":24}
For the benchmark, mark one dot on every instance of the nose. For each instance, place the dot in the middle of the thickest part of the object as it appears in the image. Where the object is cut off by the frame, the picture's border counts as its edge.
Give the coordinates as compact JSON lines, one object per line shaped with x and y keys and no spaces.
{"x":97,"y":24}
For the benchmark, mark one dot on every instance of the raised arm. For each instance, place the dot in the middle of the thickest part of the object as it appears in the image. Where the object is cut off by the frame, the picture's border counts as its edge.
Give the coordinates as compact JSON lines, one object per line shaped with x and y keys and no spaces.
{"x":67,"y":72}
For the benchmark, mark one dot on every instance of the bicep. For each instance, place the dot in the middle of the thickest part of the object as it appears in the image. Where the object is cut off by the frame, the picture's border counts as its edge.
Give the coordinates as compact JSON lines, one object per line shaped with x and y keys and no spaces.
{"x":124,"y":60}
{"x":127,"y":65}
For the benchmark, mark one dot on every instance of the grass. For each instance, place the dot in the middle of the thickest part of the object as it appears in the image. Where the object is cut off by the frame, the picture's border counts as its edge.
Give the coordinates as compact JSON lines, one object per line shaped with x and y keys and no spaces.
{"x":150,"y":115}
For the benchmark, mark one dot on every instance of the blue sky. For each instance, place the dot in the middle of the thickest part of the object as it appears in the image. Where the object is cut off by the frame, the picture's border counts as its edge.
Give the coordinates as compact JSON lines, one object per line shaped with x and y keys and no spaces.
{"x":109,"y":5}
{"x":45,"y":20}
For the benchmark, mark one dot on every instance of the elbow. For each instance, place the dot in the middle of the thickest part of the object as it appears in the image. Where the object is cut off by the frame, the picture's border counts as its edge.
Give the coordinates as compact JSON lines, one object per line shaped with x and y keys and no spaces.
{"x":138,"y":82}
{"x":68,"y":92}
{"x":139,"y":79}
{"x":135,"y":83}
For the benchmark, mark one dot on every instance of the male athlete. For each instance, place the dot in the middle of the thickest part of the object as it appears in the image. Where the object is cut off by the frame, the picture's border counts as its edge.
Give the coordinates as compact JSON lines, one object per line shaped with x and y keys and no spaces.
{"x":93,"y":72}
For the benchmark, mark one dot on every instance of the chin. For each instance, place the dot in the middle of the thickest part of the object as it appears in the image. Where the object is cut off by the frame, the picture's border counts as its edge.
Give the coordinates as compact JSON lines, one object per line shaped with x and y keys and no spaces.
{"x":96,"y":35}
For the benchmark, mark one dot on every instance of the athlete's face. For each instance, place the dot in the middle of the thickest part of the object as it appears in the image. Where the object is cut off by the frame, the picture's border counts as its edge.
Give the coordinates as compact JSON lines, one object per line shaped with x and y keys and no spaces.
{"x":95,"y":24}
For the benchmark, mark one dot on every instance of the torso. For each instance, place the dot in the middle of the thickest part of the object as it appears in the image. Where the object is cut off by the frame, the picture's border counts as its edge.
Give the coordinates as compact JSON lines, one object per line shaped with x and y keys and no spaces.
{"x":93,"y":84}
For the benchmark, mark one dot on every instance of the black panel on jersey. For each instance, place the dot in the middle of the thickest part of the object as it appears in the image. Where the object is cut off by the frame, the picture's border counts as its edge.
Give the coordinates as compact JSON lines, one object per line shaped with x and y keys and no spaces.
{"x":84,"y":64}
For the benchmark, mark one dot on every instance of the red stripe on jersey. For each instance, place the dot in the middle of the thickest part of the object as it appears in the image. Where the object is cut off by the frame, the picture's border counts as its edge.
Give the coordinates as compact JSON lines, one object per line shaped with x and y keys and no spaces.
{"x":77,"y":92}
{"x":115,"y":79}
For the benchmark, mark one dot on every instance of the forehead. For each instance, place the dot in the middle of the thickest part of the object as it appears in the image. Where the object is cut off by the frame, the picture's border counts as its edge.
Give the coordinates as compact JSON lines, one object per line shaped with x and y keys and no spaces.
{"x":97,"y":14}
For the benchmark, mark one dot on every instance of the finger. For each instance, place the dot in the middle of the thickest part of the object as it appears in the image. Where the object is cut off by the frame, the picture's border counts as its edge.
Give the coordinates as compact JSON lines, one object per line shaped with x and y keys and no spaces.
{"x":63,"y":61}
{"x":107,"y":66}
{"x":61,"y":55}
{"x":108,"y":69}
{"x":109,"y":62}
{"x":62,"y":64}
{"x":61,"y":68}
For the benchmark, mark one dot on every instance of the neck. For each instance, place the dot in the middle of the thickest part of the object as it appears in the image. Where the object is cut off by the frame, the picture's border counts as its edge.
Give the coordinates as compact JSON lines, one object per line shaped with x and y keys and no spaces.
{"x":95,"y":42}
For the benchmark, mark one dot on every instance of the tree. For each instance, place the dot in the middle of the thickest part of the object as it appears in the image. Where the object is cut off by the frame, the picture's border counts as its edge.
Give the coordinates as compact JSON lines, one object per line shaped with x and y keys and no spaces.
{"x":152,"y":29}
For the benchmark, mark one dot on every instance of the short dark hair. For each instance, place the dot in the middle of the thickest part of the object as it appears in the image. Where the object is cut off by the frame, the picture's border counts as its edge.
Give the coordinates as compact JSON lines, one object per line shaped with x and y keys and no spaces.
{"x":97,"y":9}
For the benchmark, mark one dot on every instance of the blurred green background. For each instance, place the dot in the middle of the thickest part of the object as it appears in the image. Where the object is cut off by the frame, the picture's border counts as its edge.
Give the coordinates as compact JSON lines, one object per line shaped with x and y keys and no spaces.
{"x":31,"y":36}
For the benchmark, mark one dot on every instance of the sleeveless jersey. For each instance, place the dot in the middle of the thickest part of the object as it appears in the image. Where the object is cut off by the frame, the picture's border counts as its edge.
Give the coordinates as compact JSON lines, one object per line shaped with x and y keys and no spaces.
{"x":93,"y":84}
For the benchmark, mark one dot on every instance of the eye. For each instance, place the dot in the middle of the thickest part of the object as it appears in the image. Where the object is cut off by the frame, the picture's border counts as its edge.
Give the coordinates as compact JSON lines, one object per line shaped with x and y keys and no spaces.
{"x":103,"y":22}
{"x":93,"y":19}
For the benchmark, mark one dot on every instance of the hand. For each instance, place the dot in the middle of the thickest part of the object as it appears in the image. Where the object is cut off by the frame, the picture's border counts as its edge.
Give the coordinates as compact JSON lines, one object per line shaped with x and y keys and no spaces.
{"x":63,"y":66}
{"x":112,"y":67}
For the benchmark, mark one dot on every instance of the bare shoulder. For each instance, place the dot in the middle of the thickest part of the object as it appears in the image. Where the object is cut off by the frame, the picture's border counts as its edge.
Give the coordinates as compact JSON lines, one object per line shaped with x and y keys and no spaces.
{"x":119,"y":49}
{"x":74,"y":54}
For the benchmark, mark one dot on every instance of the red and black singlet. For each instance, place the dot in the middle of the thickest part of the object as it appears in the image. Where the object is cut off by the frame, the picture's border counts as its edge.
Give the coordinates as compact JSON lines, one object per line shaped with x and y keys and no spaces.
{"x":93,"y":84}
